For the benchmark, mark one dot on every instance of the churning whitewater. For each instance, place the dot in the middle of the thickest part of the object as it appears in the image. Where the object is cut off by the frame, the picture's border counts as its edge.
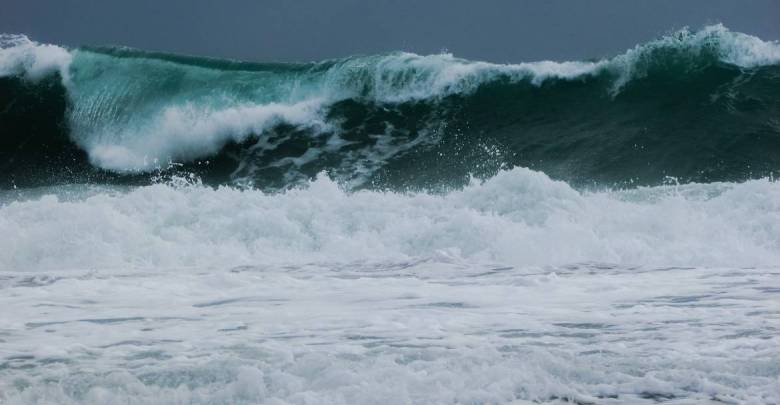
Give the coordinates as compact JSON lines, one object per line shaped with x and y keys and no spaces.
{"x":393,"y":228}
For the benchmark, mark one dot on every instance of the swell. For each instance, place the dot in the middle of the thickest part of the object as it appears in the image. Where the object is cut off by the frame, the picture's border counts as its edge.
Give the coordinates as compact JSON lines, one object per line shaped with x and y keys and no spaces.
{"x":697,"y":106}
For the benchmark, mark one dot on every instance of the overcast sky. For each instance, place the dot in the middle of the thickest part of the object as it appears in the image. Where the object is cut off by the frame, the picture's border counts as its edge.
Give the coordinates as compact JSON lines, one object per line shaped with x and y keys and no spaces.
{"x":303,"y":30}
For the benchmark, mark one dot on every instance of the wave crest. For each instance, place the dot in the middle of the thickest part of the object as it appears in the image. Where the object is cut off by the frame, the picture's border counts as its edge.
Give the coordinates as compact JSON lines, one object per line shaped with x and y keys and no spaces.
{"x":19,"y":56}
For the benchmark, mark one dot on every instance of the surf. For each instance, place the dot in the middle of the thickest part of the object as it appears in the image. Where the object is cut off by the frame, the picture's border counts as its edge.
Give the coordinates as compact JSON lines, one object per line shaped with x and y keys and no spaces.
{"x":516,"y":218}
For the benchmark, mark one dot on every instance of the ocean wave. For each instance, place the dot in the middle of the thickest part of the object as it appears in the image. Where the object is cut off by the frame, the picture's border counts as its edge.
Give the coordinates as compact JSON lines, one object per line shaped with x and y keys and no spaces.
{"x":133,"y":111}
{"x":390,"y":229}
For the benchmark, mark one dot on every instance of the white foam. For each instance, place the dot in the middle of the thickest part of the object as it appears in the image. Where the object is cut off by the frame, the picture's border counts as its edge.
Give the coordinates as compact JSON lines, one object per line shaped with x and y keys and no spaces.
{"x":21,"y":56}
{"x":519,"y":217}
{"x":188,"y":132}
{"x":433,"y":330}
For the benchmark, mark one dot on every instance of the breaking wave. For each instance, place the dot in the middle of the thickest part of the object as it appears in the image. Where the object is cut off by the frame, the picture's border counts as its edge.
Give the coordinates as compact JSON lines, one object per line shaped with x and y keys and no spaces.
{"x":696,"y":105}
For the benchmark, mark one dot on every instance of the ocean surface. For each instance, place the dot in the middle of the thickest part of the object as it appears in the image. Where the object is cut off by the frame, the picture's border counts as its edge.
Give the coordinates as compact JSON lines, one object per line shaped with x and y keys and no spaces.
{"x":391,"y":229}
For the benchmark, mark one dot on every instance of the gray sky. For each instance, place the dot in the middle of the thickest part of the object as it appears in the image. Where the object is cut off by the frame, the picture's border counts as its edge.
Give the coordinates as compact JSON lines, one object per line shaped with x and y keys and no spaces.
{"x":302,"y":30}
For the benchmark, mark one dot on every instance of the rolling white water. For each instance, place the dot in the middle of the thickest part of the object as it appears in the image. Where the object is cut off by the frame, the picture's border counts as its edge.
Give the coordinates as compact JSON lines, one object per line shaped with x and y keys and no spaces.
{"x":517,"y":289}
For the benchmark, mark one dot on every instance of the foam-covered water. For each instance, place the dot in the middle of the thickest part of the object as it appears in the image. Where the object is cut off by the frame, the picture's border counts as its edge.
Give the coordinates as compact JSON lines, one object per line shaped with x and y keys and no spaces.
{"x":438,"y":330}
{"x":517,"y":289}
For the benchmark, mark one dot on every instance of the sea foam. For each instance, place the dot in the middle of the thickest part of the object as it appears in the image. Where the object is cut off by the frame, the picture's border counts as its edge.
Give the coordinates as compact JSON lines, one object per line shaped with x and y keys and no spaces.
{"x":519,"y":217}
{"x":21,"y":56}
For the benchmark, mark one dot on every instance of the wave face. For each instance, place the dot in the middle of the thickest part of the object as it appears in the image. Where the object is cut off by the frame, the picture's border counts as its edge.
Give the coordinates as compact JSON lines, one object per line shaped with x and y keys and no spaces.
{"x":697,"y":106}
